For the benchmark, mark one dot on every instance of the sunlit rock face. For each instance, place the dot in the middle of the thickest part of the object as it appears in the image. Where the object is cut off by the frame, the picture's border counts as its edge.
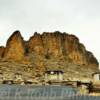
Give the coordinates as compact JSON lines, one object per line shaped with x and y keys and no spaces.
{"x":61,"y":45}
{"x":15,"y":47}
{"x":36,"y":44}
{"x":48,"y":51}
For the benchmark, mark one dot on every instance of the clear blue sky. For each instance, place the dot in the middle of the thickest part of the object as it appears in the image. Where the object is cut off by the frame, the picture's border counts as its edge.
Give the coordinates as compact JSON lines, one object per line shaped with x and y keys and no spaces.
{"x":79,"y":17}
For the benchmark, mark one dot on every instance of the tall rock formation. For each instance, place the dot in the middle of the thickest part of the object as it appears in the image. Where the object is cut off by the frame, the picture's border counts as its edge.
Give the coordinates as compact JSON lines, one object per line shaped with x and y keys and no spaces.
{"x":15,"y":47}
{"x":47,"y":51}
{"x":61,"y":45}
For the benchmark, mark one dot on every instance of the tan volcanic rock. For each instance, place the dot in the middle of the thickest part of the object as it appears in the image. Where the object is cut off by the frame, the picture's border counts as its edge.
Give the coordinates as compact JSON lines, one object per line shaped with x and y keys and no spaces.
{"x":62,"y":45}
{"x":35,"y":44}
{"x":75,"y":50}
{"x":2,"y":49}
{"x":53,"y":44}
{"x":47,"y":51}
{"x":15,"y":47}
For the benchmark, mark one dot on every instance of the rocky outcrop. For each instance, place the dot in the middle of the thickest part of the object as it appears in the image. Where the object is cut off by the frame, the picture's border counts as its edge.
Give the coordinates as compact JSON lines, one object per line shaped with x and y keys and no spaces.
{"x":49,"y":50}
{"x":35,"y":44}
{"x":15,"y":47}
{"x":61,"y":45}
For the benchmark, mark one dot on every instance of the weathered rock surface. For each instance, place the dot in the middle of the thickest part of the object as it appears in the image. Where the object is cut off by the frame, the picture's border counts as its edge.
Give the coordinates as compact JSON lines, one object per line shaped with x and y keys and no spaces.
{"x":47,"y":51}
{"x":15,"y":47}
{"x":61,"y":45}
{"x":36,"y":44}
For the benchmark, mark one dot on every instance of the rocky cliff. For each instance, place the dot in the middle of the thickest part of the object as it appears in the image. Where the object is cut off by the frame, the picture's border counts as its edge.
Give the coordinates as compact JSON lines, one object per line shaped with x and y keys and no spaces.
{"x":47,"y":51}
{"x":15,"y":47}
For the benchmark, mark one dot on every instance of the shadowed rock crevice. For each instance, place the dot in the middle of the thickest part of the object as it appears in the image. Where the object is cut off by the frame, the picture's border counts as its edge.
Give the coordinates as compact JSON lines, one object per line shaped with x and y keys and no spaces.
{"x":2,"y":50}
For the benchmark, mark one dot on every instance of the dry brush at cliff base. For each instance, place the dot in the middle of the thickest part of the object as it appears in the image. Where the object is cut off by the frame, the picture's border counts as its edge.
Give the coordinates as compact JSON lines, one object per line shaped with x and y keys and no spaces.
{"x":47,"y":51}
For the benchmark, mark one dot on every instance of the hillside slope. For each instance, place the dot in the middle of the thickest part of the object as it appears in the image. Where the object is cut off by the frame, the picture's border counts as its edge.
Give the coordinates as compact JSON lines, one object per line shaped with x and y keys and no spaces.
{"x":46,"y":51}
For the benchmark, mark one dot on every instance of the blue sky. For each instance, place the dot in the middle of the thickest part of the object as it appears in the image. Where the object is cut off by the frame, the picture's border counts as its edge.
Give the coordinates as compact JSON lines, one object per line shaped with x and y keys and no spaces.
{"x":79,"y":17}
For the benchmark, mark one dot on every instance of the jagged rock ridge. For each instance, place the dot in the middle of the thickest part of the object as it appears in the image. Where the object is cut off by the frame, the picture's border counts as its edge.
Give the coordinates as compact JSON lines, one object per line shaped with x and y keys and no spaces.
{"x":46,"y":51}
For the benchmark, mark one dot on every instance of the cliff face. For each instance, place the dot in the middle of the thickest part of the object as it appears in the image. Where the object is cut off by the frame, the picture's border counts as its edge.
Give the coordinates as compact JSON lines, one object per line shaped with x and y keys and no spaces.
{"x":61,"y":45}
{"x":14,"y":47}
{"x":36,"y":45}
{"x":49,"y":51}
